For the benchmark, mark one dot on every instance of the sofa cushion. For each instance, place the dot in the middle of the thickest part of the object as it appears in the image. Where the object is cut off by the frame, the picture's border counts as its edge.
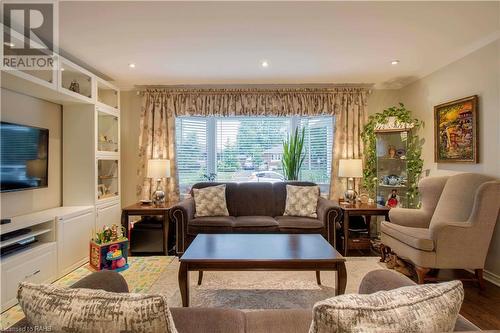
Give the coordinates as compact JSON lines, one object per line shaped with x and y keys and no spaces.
{"x":212,"y":221}
{"x":301,"y":201}
{"x":210,"y":201}
{"x":254,"y":199}
{"x":295,"y":222}
{"x":279,"y":194}
{"x":195,"y":320}
{"x":418,"y":238}
{"x":420,"y":308}
{"x":87,"y":310}
{"x":255,"y":221}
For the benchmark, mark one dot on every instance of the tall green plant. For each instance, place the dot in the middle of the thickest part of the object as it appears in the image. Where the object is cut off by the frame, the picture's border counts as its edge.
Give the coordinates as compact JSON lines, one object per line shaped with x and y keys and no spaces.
{"x":413,"y":153}
{"x":292,"y":155}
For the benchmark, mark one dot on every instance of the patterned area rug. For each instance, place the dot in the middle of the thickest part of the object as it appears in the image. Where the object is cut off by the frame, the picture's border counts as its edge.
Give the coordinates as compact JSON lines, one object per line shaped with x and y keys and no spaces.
{"x":262,"y":290}
{"x":141,"y":276}
{"x":240,"y":290}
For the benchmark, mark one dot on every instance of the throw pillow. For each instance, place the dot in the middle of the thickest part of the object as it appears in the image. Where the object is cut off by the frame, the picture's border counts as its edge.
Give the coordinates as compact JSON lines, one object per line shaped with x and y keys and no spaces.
{"x":421,"y":308}
{"x":88,"y":310}
{"x":301,"y":201}
{"x":210,"y":201}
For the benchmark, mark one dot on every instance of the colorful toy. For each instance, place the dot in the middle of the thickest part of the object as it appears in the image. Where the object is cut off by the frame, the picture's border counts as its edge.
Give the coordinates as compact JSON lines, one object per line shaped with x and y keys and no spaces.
{"x":109,"y":249}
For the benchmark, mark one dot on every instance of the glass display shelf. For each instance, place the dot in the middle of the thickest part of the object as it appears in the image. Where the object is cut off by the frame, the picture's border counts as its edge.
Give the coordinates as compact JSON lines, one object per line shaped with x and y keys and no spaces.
{"x":75,"y":80}
{"x":107,"y":132}
{"x":107,"y":179}
{"x":107,"y":95}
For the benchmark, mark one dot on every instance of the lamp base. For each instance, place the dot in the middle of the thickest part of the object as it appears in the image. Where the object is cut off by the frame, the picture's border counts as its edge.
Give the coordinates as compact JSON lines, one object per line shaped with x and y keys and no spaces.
{"x":158,"y":196}
{"x":350,"y":195}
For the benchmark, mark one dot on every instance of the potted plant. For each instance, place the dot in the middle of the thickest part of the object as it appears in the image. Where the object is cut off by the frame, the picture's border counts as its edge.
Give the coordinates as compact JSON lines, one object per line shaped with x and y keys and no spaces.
{"x":292,"y":155}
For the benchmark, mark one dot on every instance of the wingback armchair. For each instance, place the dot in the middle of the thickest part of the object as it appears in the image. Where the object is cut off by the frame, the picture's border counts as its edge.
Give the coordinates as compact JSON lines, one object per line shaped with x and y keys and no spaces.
{"x":453,"y":227}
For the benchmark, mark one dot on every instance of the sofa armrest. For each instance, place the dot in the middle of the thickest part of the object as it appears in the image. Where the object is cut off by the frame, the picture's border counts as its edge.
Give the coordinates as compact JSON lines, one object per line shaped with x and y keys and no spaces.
{"x":383,"y":279}
{"x":415,"y":218}
{"x":105,"y":280}
{"x":329,"y":213}
{"x":182,"y":213}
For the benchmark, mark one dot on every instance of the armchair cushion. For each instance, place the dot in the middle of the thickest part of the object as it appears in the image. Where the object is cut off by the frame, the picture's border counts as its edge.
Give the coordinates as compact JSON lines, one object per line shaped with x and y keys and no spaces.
{"x":418,"y":238}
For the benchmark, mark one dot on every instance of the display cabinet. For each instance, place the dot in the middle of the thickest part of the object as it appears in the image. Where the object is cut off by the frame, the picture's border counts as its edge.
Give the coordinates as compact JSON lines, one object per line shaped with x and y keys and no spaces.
{"x":107,"y":131}
{"x":107,"y":178}
{"x":75,"y":80}
{"x":392,"y":173}
{"x":108,"y":95}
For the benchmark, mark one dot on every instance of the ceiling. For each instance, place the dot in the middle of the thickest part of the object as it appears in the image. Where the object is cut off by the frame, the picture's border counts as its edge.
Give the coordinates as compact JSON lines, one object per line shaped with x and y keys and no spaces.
{"x":177,"y":43}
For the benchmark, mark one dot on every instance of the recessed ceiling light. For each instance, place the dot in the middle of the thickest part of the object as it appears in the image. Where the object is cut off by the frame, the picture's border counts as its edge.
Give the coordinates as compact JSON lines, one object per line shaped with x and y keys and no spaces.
{"x":394,"y":62}
{"x":131,"y":65}
{"x":62,"y":69}
{"x":264,"y":63}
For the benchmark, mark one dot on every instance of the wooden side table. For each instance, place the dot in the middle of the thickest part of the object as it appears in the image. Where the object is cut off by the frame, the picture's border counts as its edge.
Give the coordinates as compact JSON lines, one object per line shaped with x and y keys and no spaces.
{"x":359,"y":209}
{"x":139,"y":209}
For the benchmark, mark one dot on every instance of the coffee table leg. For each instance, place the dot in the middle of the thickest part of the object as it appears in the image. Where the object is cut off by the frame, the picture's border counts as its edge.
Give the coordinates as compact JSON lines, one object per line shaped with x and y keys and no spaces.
{"x":184,"y":284}
{"x":200,"y":277}
{"x":341,"y":279}
{"x":318,"y":278}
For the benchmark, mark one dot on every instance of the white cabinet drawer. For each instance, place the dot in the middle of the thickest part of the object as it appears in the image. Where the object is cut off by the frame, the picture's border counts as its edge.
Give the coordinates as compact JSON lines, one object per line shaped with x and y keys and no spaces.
{"x":38,"y":266}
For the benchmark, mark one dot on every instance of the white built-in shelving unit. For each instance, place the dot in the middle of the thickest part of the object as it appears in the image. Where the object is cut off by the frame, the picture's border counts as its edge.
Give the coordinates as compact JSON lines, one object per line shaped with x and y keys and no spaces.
{"x":90,"y":177}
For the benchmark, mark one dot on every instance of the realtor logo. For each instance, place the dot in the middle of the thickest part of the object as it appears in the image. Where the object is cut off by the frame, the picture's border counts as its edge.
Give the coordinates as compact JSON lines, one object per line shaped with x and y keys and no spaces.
{"x":28,"y":36}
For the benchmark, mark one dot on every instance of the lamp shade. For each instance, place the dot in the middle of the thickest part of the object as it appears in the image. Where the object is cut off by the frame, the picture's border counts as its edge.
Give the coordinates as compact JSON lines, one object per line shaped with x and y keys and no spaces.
{"x":158,"y":168}
{"x":351,"y":168}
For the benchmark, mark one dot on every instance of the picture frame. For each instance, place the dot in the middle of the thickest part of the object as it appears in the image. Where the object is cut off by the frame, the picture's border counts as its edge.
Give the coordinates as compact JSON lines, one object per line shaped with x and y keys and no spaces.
{"x":456,"y":131}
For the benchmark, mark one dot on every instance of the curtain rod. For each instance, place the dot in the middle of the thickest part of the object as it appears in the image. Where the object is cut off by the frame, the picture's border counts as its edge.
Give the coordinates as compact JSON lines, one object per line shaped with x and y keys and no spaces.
{"x":259,"y":86}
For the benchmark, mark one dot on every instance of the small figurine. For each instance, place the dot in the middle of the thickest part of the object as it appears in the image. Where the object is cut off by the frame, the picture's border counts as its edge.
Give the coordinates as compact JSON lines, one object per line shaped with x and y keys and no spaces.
{"x":393,"y":199}
{"x":392,"y":152}
{"x":74,"y":86}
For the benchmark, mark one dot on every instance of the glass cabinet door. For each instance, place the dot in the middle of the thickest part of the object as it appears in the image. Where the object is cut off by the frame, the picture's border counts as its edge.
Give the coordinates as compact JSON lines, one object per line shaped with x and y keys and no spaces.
{"x":107,"y":179}
{"x":107,"y":132}
{"x":75,"y":80}
{"x":392,"y":169}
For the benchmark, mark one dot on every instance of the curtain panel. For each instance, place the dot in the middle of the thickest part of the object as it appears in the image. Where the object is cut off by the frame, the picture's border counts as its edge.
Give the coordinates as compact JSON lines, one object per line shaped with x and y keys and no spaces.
{"x":161,"y":106}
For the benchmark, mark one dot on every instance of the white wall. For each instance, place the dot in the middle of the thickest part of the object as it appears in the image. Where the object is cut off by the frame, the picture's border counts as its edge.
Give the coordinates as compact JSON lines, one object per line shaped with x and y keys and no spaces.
{"x":22,"y":109}
{"x":476,"y":74}
{"x":130,"y":104}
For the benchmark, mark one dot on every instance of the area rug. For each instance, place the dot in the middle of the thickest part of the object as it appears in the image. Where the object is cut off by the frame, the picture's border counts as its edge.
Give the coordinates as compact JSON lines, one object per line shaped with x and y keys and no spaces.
{"x":141,"y":275}
{"x":240,"y":290}
{"x":262,"y":290}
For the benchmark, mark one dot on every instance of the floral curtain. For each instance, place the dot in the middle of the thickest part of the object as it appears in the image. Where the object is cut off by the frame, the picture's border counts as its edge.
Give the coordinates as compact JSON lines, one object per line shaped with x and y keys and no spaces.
{"x":349,"y":123}
{"x":161,"y":106}
{"x":157,"y":141}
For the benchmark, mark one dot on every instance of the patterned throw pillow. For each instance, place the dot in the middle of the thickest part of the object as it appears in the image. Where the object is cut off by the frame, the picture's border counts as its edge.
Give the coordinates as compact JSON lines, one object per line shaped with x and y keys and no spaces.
{"x":88,"y":310}
{"x":301,"y":200}
{"x":421,"y":308}
{"x":210,"y":201}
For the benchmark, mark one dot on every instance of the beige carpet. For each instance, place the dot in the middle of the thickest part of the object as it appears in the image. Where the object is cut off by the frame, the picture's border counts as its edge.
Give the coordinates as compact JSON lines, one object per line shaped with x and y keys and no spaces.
{"x":262,"y":290}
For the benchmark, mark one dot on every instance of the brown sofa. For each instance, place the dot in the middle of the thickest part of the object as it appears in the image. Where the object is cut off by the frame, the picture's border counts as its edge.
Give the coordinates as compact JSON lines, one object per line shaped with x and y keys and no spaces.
{"x":214,"y":320}
{"x":254,"y":207}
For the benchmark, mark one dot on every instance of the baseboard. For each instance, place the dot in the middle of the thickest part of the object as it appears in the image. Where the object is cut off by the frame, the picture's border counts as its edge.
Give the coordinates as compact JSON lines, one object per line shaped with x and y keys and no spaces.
{"x":490,"y":277}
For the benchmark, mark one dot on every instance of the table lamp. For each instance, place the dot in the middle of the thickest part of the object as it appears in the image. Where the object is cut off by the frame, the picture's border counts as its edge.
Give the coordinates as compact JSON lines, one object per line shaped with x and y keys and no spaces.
{"x":158,"y":169}
{"x":350,"y":169}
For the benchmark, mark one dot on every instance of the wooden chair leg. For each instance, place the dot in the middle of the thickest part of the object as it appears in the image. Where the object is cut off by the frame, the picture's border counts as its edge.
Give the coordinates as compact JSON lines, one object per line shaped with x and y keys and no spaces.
{"x":479,"y":277}
{"x":200,"y":277}
{"x":421,"y":273}
{"x":384,"y":251}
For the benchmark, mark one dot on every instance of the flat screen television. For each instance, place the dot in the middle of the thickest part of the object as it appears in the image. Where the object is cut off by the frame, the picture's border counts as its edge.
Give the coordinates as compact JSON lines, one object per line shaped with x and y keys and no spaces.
{"x":24,"y":156}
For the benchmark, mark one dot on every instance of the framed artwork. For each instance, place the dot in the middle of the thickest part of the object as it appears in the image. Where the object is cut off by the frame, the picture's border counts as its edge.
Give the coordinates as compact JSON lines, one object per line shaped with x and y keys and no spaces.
{"x":456,"y":131}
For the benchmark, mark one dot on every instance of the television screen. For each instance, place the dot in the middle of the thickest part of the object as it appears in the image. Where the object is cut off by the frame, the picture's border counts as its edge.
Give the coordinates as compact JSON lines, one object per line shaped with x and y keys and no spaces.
{"x":24,"y":152}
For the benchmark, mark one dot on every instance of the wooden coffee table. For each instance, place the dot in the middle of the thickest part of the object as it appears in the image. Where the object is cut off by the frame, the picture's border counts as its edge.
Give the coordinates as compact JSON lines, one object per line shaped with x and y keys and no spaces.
{"x":254,"y":252}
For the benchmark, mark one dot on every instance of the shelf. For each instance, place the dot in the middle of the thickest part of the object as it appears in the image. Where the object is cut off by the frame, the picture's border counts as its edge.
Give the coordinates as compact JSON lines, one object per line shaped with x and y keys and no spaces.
{"x":107,"y":95}
{"x":25,"y":236}
{"x":75,"y":80}
{"x":393,"y":186}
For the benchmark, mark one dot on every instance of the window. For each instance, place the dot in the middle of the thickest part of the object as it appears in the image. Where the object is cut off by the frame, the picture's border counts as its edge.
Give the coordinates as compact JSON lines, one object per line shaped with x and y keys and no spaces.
{"x":250,"y":148}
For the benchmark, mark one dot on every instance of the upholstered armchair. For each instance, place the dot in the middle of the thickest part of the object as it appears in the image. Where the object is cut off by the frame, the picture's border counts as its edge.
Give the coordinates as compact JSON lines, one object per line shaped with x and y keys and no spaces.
{"x":451,"y":230}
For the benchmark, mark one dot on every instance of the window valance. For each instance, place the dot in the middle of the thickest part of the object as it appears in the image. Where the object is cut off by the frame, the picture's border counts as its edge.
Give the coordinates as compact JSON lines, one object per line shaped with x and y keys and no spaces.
{"x":256,"y":101}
